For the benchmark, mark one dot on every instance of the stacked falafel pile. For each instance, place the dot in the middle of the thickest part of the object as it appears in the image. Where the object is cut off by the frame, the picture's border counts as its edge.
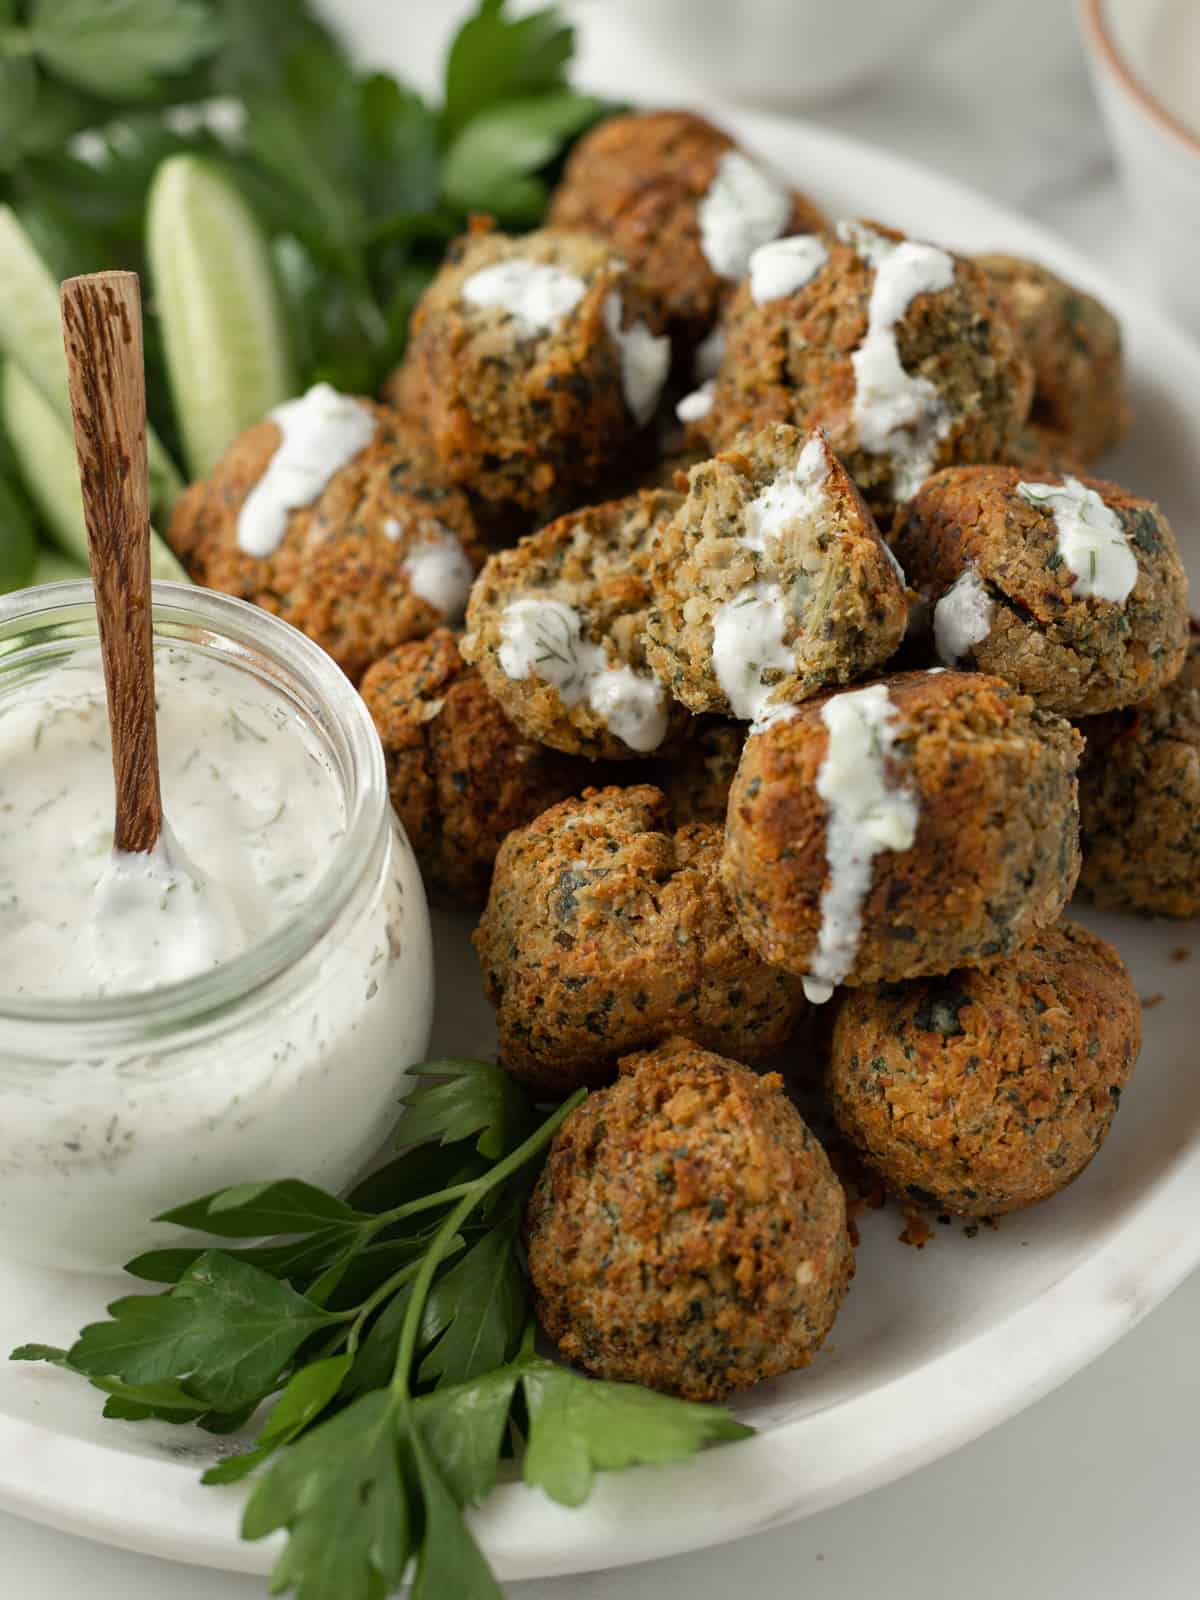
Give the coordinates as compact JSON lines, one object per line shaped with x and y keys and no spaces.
{"x":714,"y":750}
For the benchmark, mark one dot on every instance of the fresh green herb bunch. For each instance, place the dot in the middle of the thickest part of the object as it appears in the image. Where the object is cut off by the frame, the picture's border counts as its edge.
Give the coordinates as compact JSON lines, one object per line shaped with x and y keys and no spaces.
{"x":357,"y":180}
{"x":390,"y":1334}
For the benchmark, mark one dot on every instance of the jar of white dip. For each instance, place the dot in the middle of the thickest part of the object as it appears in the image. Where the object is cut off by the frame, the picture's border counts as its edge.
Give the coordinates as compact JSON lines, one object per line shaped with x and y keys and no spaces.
{"x":147,"y":1058}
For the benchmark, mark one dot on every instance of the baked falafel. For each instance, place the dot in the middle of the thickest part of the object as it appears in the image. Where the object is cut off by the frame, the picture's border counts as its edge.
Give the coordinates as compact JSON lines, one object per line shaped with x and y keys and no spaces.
{"x":557,"y":628}
{"x":926,"y":822}
{"x":771,"y":581}
{"x":687,"y":1231}
{"x":460,"y":775}
{"x":1074,"y":343}
{"x":676,"y":198}
{"x":383,"y":552}
{"x":991,"y":1088}
{"x":1069,"y":588}
{"x":695,"y":776}
{"x":1139,"y":801}
{"x":901,"y":351}
{"x":606,"y":931}
{"x":537,"y":365}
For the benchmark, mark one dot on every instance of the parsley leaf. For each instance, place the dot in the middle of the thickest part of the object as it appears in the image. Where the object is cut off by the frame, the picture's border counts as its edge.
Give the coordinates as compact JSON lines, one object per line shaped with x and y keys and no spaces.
{"x":578,"y":1426}
{"x":493,"y":164}
{"x":250,"y":1210}
{"x":467,"y":1098}
{"x":477,"y":1311}
{"x":120,"y":49}
{"x":495,"y":57}
{"x":340,"y":1493}
{"x":449,"y":1562}
{"x":226,"y":1331}
{"x":464,"y":1427}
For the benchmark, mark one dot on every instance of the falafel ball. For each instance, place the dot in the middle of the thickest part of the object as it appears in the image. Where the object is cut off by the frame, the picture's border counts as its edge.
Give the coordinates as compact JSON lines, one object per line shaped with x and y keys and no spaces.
{"x":1039,"y":452}
{"x":676,"y":198}
{"x":383,"y":553}
{"x":1070,"y":588}
{"x":696,"y":775}
{"x":557,"y":627}
{"x":1074,"y":343}
{"x":1139,"y":801}
{"x":926,"y":822}
{"x":461,"y":777}
{"x":901,"y":351}
{"x":771,"y":581}
{"x":537,"y":366}
{"x":607,"y":931}
{"x":687,"y":1231}
{"x":992,"y":1088}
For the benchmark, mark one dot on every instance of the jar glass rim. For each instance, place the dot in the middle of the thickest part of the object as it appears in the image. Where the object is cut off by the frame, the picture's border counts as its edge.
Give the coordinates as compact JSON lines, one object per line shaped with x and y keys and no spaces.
{"x":253,"y":639}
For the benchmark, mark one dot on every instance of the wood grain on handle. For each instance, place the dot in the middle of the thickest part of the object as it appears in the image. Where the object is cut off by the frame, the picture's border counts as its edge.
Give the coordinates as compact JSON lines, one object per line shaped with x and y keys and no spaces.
{"x":102,"y":330}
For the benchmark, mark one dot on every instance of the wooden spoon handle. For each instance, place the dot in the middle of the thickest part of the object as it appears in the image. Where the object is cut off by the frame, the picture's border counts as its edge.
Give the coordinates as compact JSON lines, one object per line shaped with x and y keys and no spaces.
{"x":102,"y":331}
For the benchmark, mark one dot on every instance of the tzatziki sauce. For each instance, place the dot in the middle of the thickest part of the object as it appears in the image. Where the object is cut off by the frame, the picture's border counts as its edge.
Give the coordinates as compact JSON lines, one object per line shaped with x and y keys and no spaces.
{"x":298,"y":1071}
{"x":743,"y":208}
{"x":1091,"y":539}
{"x":867,"y":813}
{"x":535,"y":294}
{"x":645,"y":360}
{"x":320,"y":433}
{"x":962,"y":618}
{"x":543,"y":638}
{"x":896,"y":413}
{"x":780,"y":268}
{"x":438,"y":572}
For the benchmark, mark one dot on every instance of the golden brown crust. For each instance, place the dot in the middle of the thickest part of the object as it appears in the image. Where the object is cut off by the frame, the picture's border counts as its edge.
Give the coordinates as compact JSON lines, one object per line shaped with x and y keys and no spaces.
{"x":460,"y":775}
{"x":606,"y":931}
{"x":1074,"y":655}
{"x":989,"y":1089}
{"x":339,"y":572}
{"x":1074,"y":343}
{"x":526,"y":421}
{"x":846,"y":600}
{"x":996,"y":851}
{"x":687,"y":1231}
{"x":1139,"y":801}
{"x":790,"y":360}
{"x":638,"y":181}
{"x":597,"y":561}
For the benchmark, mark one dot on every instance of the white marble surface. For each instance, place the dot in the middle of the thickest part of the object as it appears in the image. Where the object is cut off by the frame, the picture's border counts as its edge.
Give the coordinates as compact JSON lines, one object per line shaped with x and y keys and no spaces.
{"x":1089,"y":1495}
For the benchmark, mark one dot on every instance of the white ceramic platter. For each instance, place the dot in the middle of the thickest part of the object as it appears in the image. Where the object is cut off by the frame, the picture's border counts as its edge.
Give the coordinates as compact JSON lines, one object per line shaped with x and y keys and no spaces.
{"x":933,"y":1348}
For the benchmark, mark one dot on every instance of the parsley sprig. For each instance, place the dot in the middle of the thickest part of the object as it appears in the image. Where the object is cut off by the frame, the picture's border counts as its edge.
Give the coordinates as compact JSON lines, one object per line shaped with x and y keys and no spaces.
{"x":389,"y":1334}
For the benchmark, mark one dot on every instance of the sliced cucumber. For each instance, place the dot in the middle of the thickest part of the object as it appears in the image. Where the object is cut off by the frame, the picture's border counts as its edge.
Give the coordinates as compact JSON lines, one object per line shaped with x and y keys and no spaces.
{"x":45,"y":452}
{"x":224,"y":331}
{"x":31,"y":337}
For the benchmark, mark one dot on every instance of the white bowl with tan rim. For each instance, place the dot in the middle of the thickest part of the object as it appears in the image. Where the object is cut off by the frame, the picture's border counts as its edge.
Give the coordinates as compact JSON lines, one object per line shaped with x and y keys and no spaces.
{"x":1144,"y":57}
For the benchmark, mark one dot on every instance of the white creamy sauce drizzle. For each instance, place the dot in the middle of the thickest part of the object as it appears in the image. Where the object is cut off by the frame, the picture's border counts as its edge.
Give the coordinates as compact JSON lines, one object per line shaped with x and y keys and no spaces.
{"x":545,"y":638}
{"x":744,"y":207}
{"x":1091,"y":539}
{"x":747,"y":645}
{"x":962,"y":617}
{"x":780,"y":268}
{"x":321,"y":432}
{"x":645,"y":361}
{"x":253,"y":804}
{"x":437,"y":570}
{"x":535,"y":294}
{"x":695,"y":407}
{"x":795,"y":495}
{"x":748,"y":631}
{"x":867,"y":814}
{"x":896,"y":413}
{"x":710,"y":353}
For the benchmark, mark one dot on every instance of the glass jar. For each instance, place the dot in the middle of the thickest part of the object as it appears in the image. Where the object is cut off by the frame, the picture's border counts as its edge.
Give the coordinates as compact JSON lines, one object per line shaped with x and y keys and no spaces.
{"x":288,"y":1060}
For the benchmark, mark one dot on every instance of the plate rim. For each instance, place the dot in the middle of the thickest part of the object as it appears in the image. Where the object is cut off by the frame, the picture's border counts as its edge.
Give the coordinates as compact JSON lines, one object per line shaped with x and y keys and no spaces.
{"x":69,"y":1483}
